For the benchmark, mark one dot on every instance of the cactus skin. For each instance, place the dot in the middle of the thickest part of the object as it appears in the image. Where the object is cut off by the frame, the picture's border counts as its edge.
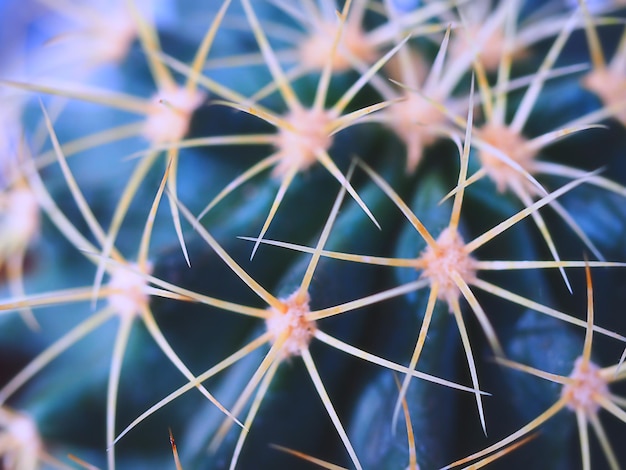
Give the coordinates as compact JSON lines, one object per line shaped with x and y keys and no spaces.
{"x":210,"y":309}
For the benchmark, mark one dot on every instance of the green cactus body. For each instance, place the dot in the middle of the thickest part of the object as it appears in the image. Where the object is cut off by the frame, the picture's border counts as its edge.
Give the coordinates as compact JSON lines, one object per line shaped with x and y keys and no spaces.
{"x":360,"y":230}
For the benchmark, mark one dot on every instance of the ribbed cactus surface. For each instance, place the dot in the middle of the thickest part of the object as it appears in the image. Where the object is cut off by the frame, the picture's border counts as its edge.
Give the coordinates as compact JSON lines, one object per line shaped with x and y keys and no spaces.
{"x":261,"y":234}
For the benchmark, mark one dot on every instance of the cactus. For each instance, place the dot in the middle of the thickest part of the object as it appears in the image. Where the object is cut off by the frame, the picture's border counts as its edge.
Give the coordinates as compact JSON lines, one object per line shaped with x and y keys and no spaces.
{"x":382,"y":220}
